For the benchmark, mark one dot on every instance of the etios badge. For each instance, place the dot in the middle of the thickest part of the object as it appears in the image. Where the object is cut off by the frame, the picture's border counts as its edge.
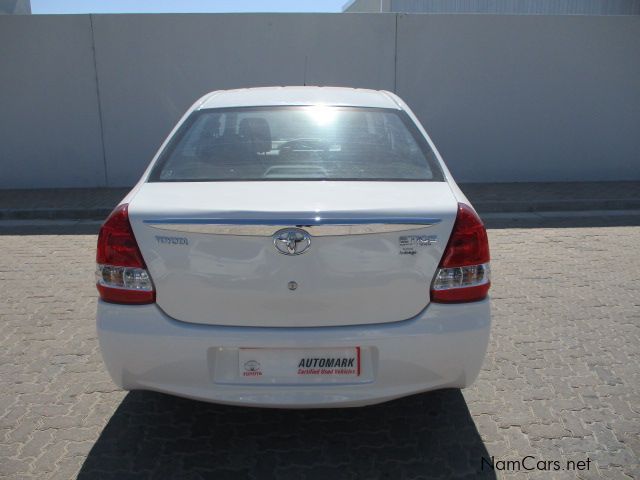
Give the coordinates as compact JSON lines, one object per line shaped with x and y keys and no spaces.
{"x":291,"y":241}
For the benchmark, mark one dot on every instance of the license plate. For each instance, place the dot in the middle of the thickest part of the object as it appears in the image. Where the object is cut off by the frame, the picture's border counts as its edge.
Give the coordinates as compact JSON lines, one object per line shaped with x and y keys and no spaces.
{"x":299,"y":365}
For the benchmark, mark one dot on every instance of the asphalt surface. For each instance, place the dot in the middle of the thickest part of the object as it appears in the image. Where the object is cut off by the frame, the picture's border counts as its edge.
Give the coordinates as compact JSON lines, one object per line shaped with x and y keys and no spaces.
{"x":561,"y":381}
{"x":96,"y":203}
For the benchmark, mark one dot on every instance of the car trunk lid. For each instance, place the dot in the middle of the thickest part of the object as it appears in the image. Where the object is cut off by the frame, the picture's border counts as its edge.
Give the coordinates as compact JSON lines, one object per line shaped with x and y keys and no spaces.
{"x":370,"y":250}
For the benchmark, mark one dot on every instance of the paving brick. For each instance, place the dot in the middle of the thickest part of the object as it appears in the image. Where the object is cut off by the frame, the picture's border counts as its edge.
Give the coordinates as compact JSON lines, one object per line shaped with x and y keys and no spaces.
{"x":561,"y":381}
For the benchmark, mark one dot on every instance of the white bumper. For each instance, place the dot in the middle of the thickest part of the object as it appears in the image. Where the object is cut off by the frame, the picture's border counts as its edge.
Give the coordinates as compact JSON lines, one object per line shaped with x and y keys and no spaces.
{"x":443,"y":347}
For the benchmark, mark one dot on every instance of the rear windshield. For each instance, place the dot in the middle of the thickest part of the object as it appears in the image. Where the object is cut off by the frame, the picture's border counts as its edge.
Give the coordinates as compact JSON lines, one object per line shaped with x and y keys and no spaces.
{"x":297,"y":143}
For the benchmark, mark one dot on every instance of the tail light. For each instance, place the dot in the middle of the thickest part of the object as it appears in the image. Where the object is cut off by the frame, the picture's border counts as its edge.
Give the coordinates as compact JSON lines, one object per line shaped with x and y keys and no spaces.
{"x":463,"y":274}
{"x":121,"y":274}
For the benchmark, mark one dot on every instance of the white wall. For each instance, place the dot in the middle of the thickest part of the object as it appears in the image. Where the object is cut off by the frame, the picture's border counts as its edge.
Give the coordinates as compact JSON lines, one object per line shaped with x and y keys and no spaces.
{"x":526,"y":98}
{"x":506,"y":98}
{"x":151,"y":68}
{"x":49,"y":119}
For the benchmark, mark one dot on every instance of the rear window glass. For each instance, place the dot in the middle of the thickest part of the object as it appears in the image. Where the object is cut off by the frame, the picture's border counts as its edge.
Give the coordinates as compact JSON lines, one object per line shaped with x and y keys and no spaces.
{"x":297,"y":143}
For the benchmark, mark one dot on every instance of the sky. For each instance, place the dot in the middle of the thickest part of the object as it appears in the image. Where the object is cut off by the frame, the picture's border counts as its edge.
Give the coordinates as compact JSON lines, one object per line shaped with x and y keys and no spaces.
{"x":184,"y":6}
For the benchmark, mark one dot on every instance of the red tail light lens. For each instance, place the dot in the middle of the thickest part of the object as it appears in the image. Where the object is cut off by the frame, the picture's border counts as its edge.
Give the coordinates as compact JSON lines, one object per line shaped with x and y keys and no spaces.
{"x":121,"y":274}
{"x":464,"y":271}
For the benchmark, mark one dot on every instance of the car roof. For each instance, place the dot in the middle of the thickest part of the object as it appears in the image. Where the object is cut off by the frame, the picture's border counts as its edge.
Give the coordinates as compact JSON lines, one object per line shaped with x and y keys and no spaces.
{"x":265,"y":96}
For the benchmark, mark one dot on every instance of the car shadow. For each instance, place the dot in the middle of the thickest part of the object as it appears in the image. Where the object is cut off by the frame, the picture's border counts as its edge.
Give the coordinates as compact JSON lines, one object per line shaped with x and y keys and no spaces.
{"x":158,"y":436}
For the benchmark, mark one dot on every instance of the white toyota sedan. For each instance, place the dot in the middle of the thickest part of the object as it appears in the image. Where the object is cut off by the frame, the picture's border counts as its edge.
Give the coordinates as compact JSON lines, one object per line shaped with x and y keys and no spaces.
{"x":294,"y":247}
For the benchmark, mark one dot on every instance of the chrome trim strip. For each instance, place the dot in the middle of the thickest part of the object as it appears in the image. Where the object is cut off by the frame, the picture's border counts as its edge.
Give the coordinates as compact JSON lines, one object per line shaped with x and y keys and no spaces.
{"x":317,"y":226}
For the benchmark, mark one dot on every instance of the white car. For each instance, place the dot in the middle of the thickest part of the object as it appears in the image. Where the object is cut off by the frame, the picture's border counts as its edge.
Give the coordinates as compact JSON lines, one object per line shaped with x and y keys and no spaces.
{"x":294,"y":247}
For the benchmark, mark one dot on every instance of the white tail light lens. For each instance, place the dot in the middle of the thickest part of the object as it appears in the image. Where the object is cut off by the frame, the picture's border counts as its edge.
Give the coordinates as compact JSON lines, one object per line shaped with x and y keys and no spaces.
{"x":124,"y":277}
{"x":462,"y":277}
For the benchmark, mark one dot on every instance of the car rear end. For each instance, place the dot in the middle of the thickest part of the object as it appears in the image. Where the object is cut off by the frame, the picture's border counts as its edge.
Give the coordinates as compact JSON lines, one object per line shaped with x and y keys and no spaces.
{"x":294,"y":275}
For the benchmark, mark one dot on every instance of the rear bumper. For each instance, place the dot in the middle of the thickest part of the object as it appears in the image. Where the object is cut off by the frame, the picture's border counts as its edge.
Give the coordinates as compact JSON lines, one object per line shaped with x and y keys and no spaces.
{"x":442,"y":347}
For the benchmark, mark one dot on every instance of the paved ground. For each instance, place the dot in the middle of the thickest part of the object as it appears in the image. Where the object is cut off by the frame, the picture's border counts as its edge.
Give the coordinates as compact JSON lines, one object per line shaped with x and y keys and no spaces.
{"x":561,"y":382}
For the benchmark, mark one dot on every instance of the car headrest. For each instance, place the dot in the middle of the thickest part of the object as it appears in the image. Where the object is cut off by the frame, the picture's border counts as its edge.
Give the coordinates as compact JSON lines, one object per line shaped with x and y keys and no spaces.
{"x":256,"y":131}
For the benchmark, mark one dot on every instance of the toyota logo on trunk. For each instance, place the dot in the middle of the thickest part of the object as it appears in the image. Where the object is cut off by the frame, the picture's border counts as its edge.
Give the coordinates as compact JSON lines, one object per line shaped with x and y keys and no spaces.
{"x":291,"y":241}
